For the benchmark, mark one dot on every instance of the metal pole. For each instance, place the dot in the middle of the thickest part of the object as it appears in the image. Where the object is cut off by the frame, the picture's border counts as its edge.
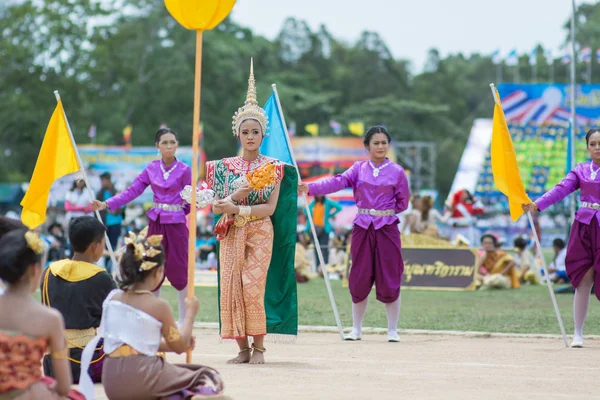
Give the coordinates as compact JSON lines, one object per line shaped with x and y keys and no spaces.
{"x":573,"y":126}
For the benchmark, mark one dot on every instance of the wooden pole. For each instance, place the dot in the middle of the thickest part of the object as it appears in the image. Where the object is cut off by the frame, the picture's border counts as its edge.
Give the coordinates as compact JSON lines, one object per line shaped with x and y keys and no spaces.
{"x":195,"y":150}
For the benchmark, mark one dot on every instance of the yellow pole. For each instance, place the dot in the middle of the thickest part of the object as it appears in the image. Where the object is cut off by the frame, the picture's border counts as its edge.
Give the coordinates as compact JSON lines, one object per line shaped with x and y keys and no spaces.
{"x":196,"y":131}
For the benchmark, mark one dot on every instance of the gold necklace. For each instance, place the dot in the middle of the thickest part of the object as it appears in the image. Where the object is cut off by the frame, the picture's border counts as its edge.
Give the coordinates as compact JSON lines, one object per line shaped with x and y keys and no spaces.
{"x":141,"y":291}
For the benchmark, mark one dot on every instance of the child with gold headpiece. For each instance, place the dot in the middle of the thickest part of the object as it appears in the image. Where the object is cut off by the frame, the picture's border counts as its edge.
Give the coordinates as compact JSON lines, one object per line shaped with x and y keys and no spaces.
{"x":256,"y":197}
{"x":77,"y":288}
{"x":27,"y":328}
{"x":136,"y":325}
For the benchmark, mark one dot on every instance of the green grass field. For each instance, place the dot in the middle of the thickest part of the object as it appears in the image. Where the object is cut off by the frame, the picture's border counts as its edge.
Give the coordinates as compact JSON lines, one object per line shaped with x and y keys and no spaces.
{"x":525,"y":310}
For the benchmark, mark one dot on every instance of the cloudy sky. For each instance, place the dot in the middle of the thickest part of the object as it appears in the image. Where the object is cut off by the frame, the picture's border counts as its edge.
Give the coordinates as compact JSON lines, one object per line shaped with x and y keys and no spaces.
{"x":411,"y":27}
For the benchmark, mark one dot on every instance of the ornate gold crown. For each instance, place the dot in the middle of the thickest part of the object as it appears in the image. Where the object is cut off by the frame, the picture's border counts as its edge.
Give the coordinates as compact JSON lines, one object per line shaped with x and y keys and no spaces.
{"x":251,"y":109}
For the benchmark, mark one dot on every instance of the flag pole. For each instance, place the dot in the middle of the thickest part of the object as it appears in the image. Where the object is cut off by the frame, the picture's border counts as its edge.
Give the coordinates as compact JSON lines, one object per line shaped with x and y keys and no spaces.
{"x":310,"y":220}
{"x":540,"y":253}
{"x":548,"y":280}
{"x":194,"y":183}
{"x":572,"y":119}
{"x":89,"y":188}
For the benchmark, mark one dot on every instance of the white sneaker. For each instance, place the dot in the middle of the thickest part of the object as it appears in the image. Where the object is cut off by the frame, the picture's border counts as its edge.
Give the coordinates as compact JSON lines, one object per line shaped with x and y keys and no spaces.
{"x":577,"y":343}
{"x":352,"y":337}
{"x":394,"y":338}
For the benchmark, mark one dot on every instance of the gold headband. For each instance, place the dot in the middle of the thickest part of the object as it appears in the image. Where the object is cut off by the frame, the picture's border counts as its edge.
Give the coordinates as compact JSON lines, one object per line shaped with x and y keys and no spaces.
{"x":250,"y":109}
{"x":143,"y":247}
{"x":34,"y":242}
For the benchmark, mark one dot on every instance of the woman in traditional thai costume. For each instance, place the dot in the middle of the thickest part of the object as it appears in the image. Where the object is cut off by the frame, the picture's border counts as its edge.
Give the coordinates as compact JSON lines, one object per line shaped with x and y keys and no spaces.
{"x":256,"y":196}
{"x":136,"y":325}
{"x":381,"y":191}
{"x":167,"y":177}
{"x":583,"y":250}
{"x":26,"y":335}
{"x":496,"y":269}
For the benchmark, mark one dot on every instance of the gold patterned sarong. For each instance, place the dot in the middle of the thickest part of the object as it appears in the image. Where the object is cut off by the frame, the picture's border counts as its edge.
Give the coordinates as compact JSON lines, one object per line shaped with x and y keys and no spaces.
{"x":245,"y":255}
{"x":496,"y":262}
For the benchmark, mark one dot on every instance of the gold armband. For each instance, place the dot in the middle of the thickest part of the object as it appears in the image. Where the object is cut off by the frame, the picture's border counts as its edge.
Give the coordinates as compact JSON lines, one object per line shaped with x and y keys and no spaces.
{"x":173,"y":335}
{"x":60,"y":354}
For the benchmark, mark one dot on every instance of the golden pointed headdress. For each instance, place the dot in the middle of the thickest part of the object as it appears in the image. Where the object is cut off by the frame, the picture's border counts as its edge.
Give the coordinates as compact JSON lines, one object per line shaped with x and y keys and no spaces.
{"x":143,"y":247}
{"x":250,"y":109}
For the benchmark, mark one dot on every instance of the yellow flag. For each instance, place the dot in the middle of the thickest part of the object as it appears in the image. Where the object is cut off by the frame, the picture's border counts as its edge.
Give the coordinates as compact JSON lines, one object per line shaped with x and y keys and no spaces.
{"x":504,"y":164}
{"x":57,"y":158}
{"x":356,"y":128}
{"x":313,"y":129}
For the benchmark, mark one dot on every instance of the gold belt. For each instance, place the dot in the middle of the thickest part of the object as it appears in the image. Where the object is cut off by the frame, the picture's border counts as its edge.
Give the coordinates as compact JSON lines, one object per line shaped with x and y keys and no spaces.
{"x":79,"y":338}
{"x":241,"y":220}
{"x":124,"y":351}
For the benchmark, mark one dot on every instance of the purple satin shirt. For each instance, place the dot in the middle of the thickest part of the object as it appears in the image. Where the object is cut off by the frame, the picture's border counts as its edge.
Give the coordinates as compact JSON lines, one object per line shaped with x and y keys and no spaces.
{"x":165,"y":191}
{"x":579,"y":178}
{"x":388,"y":191}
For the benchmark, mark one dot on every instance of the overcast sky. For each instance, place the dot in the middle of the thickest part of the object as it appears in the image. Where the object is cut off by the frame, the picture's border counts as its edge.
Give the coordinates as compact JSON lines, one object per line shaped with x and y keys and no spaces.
{"x":412,"y":27}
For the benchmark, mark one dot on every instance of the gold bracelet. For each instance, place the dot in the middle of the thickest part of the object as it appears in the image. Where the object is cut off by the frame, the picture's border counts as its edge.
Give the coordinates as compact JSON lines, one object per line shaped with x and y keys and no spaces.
{"x":245,"y":211}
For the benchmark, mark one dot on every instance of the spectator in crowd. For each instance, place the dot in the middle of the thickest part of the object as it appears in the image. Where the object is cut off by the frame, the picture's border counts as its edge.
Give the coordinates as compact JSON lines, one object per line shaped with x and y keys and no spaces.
{"x":411,"y":218}
{"x":78,"y":202}
{"x":528,"y":271}
{"x":322,"y":210}
{"x":425,"y":220}
{"x":59,"y":247}
{"x":302,"y":263}
{"x":557,"y":268}
{"x":206,"y":243}
{"x":113,"y":220}
{"x":496,"y":269}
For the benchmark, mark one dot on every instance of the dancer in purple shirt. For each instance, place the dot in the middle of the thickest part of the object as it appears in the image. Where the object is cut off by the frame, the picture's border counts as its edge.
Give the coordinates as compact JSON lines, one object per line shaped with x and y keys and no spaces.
{"x":583,"y":249}
{"x":167,"y":177}
{"x":381,"y":191}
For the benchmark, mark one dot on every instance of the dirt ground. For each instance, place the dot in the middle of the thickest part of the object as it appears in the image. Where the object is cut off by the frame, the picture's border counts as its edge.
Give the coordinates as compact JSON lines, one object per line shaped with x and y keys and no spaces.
{"x":321,"y":366}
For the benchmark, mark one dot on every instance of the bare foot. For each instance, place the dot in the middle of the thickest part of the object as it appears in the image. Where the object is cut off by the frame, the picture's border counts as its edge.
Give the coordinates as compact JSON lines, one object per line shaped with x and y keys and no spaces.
{"x":242,"y":358}
{"x":257,"y":356}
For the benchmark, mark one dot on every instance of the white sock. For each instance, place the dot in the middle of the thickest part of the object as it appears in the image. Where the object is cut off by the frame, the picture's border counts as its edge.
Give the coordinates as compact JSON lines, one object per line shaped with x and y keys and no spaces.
{"x":581,"y":301}
{"x":393,"y":313}
{"x":358,"y":314}
{"x":181,"y":296}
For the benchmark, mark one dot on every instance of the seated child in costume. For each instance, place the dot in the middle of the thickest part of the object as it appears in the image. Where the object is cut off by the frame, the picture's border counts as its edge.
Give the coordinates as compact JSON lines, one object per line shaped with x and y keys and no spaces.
{"x":528,"y":270}
{"x":496,"y":269}
{"x":557,"y":268}
{"x":28,"y":329}
{"x":136,"y":325}
{"x":77,"y":288}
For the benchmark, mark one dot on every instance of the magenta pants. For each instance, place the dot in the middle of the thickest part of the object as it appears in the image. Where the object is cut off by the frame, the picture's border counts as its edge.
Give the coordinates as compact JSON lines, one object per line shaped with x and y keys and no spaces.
{"x":583,"y":253}
{"x":175,"y":242}
{"x":376,"y":258}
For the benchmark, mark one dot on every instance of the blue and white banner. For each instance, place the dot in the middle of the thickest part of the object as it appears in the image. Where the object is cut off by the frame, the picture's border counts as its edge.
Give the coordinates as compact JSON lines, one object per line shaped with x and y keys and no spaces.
{"x":540,"y":104}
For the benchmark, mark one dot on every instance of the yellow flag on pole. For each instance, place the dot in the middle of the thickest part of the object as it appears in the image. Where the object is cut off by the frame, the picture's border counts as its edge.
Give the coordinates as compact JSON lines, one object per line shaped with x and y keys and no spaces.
{"x":57,"y":158}
{"x":505,"y":169}
{"x":356,"y":128}
{"x":313,"y":129}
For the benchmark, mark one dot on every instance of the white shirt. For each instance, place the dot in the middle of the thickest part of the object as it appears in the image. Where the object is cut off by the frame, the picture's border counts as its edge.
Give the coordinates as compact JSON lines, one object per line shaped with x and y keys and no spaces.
{"x":78,"y":199}
{"x":559,"y":261}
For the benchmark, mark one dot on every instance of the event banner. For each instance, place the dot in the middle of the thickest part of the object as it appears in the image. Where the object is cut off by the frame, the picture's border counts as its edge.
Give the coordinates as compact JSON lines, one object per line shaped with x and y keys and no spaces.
{"x":123,"y":164}
{"x":544,"y":103}
{"x":331,"y":151}
{"x":438,"y":268}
